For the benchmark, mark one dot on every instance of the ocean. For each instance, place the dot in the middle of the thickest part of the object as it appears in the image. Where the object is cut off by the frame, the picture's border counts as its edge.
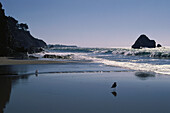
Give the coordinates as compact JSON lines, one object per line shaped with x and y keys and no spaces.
{"x":83,"y":85}
{"x":155,"y":60}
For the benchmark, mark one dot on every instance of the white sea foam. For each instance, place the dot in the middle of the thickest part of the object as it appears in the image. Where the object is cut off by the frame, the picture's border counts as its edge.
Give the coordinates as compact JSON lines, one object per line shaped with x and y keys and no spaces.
{"x":74,"y":56}
{"x":149,"y":52}
{"x":161,"y":69}
{"x":142,"y":64}
{"x":40,"y":55}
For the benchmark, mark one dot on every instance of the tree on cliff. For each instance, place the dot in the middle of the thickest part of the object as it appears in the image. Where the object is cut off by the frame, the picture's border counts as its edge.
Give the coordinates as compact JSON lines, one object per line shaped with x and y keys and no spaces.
{"x":23,"y":26}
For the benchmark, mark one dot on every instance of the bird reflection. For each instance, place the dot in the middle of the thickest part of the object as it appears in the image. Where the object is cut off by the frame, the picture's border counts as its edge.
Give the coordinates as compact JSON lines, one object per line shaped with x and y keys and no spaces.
{"x":114,"y":93}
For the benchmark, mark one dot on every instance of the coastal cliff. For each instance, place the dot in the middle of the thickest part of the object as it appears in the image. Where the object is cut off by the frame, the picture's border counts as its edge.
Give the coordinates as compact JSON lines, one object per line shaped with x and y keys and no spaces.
{"x":15,"y":39}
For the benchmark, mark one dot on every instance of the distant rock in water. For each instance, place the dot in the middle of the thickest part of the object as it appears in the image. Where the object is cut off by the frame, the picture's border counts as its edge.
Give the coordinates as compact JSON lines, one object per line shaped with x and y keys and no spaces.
{"x":15,"y":39}
{"x":159,"y":45}
{"x":144,"y":41}
{"x":59,"y":45}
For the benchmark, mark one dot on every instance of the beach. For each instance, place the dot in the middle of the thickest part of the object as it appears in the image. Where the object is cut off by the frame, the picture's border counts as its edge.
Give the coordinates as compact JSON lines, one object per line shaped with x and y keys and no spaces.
{"x":84,"y":56}
{"x":82,"y":82}
{"x":79,"y":91}
{"x":14,"y":61}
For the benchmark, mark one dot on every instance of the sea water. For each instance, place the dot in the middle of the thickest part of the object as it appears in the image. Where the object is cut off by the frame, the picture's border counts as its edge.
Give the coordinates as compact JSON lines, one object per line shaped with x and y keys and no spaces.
{"x":155,"y":60}
{"x":84,"y":85}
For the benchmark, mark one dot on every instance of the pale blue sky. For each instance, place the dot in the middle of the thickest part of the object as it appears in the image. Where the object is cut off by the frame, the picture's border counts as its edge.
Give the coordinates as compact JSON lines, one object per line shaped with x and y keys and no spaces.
{"x":93,"y":23}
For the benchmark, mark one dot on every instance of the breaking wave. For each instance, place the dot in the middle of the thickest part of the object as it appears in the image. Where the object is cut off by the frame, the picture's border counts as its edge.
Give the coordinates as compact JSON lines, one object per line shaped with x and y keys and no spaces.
{"x":147,"y":52}
{"x":151,"y":60}
{"x":161,"y":69}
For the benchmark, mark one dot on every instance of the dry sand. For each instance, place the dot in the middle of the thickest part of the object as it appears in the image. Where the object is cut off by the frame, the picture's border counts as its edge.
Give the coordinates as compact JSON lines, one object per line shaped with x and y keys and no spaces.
{"x":12,"y":61}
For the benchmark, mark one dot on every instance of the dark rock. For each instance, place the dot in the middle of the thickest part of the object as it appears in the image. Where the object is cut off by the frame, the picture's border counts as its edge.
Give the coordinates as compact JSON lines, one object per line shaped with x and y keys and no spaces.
{"x":144,"y":41}
{"x":159,"y":45}
{"x":33,"y":57}
{"x":32,"y":50}
{"x":49,"y":56}
{"x":15,"y":39}
{"x":57,"y":56}
{"x":67,"y":56}
{"x":0,"y":5}
{"x":4,"y":34}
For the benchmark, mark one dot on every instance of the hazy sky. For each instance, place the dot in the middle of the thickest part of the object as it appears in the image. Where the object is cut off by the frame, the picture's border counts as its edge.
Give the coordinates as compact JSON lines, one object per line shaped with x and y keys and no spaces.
{"x":93,"y":23}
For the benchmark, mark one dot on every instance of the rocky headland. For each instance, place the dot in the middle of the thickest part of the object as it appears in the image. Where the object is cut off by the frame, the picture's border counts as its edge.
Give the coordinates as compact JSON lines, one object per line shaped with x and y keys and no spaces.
{"x":15,"y":39}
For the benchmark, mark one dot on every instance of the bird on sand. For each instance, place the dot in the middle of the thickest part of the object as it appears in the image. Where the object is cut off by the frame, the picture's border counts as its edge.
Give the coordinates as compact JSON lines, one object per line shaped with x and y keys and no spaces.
{"x":114,"y":85}
{"x":36,"y":72}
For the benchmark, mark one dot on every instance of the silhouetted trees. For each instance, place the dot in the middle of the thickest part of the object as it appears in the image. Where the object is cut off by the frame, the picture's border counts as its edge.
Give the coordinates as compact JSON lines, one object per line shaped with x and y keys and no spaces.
{"x":13,"y":22}
{"x":23,"y":26}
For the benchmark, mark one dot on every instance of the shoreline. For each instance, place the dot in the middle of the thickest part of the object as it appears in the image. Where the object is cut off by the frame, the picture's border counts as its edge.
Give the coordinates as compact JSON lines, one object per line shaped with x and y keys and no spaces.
{"x":13,"y":61}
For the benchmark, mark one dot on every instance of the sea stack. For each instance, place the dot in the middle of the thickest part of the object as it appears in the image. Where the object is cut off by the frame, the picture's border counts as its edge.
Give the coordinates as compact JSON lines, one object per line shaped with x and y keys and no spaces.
{"x":159,"y":45}
{"x":144,"y":41}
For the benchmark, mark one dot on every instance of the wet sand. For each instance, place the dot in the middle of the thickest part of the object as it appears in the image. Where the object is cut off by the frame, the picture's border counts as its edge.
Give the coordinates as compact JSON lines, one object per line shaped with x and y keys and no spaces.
{"x":12,"y":61}
{"x":74,"y":90}
{"x":86,"y":93}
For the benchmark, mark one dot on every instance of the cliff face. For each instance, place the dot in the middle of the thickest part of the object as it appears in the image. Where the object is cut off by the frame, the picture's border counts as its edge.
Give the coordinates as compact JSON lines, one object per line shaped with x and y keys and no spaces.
{"x":15,"y":38}
{"x":23,"y":37}
{"x":4,"y":34}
